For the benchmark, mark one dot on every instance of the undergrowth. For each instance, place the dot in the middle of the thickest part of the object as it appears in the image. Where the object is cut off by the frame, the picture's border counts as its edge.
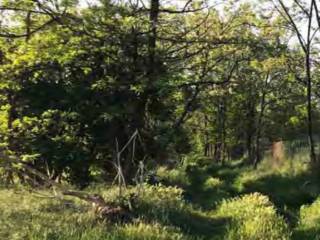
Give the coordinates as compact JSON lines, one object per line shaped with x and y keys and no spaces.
{"x":192,"y":202}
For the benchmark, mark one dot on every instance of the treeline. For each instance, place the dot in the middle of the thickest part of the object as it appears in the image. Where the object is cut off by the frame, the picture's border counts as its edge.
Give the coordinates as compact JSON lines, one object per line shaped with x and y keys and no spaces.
{"x":77,"y":82}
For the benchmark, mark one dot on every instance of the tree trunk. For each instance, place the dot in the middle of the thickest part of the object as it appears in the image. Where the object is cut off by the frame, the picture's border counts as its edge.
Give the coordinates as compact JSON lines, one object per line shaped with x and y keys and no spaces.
{"x":206,"y":138}
{"x":309,"y":108}
{"x":223,"y":129}
{"x":259,"y":122}
{"x":153,"y":17}
{"x":12,"y":115}
{"x":250,"y":132}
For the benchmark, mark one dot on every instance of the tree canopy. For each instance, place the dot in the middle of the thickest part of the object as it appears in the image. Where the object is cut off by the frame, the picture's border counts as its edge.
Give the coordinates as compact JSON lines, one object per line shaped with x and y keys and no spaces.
{"x":77,"y":82}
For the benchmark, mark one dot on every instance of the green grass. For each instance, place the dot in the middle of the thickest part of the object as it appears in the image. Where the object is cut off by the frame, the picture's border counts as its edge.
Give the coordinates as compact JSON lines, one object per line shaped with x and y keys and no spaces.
{"x":196,"y":201}
{"x":253,"y":217}
{"x":26,"y":216}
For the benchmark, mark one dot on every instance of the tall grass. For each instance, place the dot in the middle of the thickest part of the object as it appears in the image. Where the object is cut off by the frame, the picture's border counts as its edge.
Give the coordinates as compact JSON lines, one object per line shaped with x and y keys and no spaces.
{"x":195,"y":201}
{"x":26,"y":216}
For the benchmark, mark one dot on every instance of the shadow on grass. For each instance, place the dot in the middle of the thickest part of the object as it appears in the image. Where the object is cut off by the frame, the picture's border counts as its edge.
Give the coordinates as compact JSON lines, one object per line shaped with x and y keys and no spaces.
{"x":195,"y":190}
{"x":189,"y":222}
{"x":197,"y":225}
{"x":208,"y":199}
{"x":310,"y":233}
{"x":290,"y":191}
{"x":287,"y":192}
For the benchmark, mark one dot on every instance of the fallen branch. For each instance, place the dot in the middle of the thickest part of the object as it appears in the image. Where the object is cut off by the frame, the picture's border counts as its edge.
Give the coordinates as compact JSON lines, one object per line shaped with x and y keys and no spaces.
{"x":102,"y":209}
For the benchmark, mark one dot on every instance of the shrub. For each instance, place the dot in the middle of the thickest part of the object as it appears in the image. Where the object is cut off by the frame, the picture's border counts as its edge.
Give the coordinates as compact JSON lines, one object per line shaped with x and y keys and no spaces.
{"x":173,"y":176}
{"x":253,"y":217}
{"x":167,"y":196}
{"x":149,"y":232}
{"x":159,"y":202}
{"x":310,"y":215}
{"x":309,"y":222}
{"x":212,"y":183}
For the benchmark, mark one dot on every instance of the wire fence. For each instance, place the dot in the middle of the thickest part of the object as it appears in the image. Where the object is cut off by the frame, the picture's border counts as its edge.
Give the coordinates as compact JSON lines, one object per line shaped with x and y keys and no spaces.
{"x":290,"y":148}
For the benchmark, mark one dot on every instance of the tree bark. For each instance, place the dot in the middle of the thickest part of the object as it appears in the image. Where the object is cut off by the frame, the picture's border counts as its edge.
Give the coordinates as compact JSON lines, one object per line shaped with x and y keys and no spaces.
{"x":250,"y":131}
{"x":259,"y":122}
{"x":153,"y":17}
{"x":12,"y":115}
{"x":313,"y":157}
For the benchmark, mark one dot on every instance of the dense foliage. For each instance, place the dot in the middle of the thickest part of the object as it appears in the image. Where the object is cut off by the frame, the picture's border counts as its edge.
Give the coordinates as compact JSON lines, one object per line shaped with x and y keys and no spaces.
{"x":77,"y":82}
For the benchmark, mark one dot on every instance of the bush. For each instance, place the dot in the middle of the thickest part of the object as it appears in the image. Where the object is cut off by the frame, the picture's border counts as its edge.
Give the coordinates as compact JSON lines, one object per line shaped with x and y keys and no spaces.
{"x":145,"y":231}
{"x":309,"y":223}
{"x":253,"y":217}
{"x":176,"y":176}
{"x":159,"y":203}
{"x":212,"y":183}
{"x":162,"y":195}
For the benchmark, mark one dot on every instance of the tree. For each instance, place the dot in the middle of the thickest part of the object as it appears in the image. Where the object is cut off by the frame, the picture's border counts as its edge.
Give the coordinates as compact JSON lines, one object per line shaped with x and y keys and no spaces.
{"x":305,"y":42}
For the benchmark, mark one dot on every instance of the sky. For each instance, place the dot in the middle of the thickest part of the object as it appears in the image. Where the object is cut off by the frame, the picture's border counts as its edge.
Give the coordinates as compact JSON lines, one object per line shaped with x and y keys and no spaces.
{"x":181,"y":3}
{"x":219,"y":5}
